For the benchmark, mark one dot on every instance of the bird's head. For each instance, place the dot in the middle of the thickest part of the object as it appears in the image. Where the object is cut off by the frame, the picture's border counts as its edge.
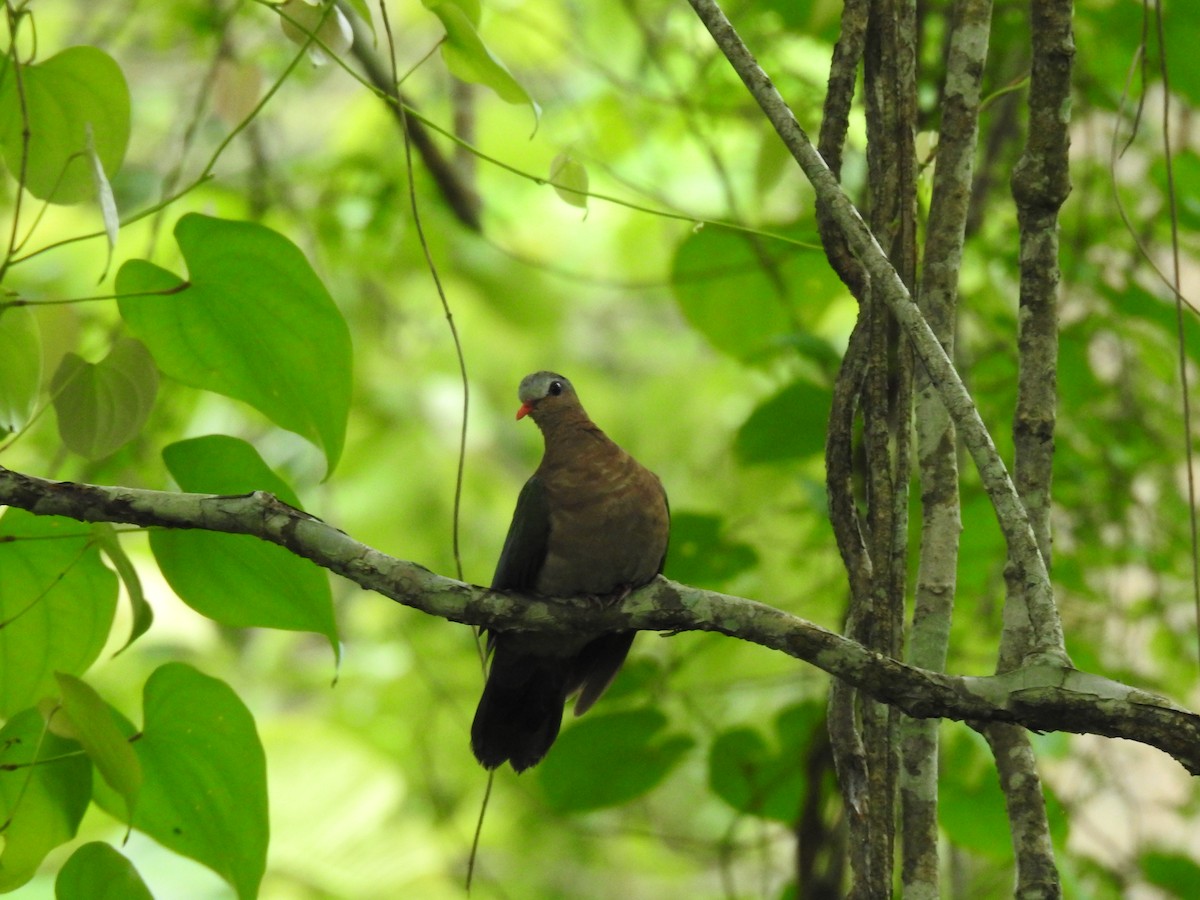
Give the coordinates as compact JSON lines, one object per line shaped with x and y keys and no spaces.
{"x":543,"y":393}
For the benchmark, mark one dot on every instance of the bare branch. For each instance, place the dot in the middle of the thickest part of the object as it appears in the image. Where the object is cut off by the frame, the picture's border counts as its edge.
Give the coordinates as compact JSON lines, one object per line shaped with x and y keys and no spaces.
{"x":937,"y":451}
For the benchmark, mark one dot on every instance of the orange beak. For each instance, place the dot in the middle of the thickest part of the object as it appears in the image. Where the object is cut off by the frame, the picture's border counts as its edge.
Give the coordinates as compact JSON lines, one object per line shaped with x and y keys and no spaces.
{"x":526,"y":409}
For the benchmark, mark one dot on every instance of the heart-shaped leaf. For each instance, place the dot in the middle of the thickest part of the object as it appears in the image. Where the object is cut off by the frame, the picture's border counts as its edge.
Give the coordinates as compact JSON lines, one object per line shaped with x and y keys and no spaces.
{"x":80,"y":87}
{"x":45,"y":785}
{"x":204,"y":776}
{"x":57,"y":600}
{"x":253,"y":322}
{"x":237,"y":579}
{"x":101,"y":407}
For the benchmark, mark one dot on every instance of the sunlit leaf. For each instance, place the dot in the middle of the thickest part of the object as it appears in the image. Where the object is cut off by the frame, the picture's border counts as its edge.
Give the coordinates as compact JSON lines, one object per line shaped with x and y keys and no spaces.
{"x":103,"y":406}
{"x":255,"y":323}
{"x":41,"y":805}
{"x":20,"y":367}
{"x":204,"y":777}
{"x":108,"y":748}
{"x":104,"y":193}
{"x":570,"y":180}
{"x":98,"y":872}
{"x":607,"y":760}
{"x":57,"y":601}
{"x":70,"y":91}
{"x":469,"y":58}
{"x":141,"y":611}
{"x":236,"y":579}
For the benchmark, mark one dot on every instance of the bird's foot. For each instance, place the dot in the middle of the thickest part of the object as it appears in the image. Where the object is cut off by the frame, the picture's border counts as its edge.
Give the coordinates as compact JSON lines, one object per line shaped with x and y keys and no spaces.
{"x":608,"y":601}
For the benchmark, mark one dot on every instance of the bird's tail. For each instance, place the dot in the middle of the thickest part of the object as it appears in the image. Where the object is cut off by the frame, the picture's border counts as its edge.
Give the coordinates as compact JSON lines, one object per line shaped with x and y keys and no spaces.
{"x":521,"y":708}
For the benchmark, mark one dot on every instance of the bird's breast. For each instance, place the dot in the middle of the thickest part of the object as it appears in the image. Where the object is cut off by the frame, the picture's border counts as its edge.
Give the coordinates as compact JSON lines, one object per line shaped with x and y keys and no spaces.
{"x":608,"y":529}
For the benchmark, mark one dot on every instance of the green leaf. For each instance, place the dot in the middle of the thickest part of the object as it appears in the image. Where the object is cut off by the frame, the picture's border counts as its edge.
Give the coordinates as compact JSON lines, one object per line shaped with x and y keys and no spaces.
{"x":610,"y":759}
{"x":237,"y":579}
{"x":57,"y":600}
{"x":101,"y":407}
{"x":40,"y":804}
{"x":142,"y":612}
{"x":74,"y":89}
{"x":255,"y":323}
{"x":1173,"y":872}
{"x":970,"y":802}
{"x":20,"y":367}
{"x":96,"y":729}
{"x":98,"y":872}
{"x":761,"y":781}
{"x":570,"y":180}
{"x":748,"y":294}
{"x":469,"y":58}
{"x":791,"y":425}
{"x":701,"y":555}
{"x":204,"y":776}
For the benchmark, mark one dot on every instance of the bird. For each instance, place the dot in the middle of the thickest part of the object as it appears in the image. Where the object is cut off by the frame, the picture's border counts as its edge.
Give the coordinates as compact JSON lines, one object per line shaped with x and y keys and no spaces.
{"x":590,"y":522}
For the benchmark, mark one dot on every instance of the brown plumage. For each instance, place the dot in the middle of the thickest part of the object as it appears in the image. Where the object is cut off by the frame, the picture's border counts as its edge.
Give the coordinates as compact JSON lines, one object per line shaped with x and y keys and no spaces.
{"x":591,"y":521}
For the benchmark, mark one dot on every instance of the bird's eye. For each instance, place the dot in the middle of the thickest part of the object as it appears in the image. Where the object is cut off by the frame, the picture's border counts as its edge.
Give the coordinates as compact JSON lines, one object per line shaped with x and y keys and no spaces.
{"x":556,"y":388}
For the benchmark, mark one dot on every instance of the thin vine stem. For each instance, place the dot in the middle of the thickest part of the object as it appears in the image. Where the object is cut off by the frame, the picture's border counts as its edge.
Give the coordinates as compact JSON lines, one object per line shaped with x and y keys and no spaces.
{"x":1176,"y":280}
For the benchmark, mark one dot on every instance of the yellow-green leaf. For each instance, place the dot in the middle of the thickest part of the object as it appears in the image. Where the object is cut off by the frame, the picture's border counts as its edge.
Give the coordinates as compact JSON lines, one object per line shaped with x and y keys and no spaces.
{"x":570,"y":180}
{"x":96,"y":729}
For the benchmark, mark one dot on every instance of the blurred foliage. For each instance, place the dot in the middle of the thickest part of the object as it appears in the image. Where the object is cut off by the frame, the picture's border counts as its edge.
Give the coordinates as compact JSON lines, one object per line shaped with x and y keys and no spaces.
{"x":707,"y":350}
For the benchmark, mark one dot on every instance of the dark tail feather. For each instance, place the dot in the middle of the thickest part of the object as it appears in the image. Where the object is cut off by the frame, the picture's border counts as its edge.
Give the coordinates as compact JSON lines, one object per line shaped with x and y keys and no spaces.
{"x":596,"y":667}
{"x":521,"y":709}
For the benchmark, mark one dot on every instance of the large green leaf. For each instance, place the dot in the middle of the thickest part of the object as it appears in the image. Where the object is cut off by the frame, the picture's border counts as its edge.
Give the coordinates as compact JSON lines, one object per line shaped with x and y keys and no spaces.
{"x":20,"y":367}
{"x":254,"y":322}
{"x":204,"y":776}
{"x":41,"y":805}
{"x":237,"y":579}
{"x":610,"y":759}
{"x":749,"y":295}
{"x":104,"y":405}
{"x":93,"y":725}
{"x":57,"y":600}
{"x":72,"y":91}
{"x":791,"y":425}
{"x":98,"y":872}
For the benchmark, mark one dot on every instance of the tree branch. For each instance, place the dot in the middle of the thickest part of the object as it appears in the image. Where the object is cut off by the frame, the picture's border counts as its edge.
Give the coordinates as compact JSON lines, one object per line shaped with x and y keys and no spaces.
{"x":1010,"y":513}
{"x":1041,"y":697}
{"x":937,"y":445}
